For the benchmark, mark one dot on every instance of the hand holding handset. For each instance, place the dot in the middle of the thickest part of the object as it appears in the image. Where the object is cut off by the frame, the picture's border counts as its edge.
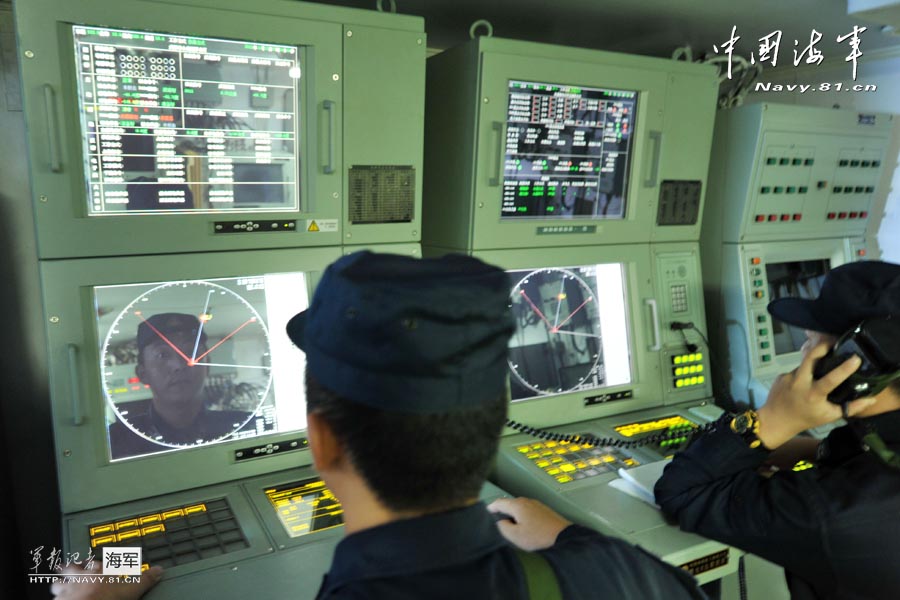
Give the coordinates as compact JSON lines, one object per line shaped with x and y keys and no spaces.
{"x":877,"y":343}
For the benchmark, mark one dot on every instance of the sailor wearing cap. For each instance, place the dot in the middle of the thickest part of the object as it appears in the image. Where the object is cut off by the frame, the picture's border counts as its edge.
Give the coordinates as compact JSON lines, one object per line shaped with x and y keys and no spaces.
{"x":834,"y":527}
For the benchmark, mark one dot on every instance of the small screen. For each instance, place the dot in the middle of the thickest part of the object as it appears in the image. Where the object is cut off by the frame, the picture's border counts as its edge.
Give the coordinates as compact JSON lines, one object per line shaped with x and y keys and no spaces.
{"x":797,"y":279}
{"x":569,"y":336}
{"x":568,"y":151}
{"x":305,"y":507}
{"x":191,"y":363}
{"x":180,"y":124}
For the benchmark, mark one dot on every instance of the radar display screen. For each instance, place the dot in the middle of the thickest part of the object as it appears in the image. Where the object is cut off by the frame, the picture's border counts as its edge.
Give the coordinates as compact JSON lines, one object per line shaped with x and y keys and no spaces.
{"x":795,"y":279}
{"x":180,"y":124}
{"x":191,"y":363}
{"x":569,"y":337}
{"x":568,"y":151}
{"x":305,"y":507}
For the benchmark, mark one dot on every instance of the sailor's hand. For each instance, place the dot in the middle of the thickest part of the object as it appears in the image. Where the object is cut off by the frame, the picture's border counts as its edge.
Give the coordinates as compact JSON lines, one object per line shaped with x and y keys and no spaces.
{"x":534,"y":526}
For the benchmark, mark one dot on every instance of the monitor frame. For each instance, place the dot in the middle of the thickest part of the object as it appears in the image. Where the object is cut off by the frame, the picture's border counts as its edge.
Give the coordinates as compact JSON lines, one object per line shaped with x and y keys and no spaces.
{"x":646,"y":383}
{"x":88,"y":479}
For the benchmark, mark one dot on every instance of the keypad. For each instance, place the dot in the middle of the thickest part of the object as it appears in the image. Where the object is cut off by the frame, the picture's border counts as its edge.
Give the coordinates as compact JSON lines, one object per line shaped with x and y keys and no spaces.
{"x":566,"y":462}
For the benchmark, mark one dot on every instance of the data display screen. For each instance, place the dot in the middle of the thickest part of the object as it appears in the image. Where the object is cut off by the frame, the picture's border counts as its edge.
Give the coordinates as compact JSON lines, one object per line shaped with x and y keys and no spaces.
{"x":568,"y":151}
{"x":179,"y":124}
{"x":796,"y":279}
{"x":569,"y":336}
{"x":191,"y":363}
{"x":305,"y":507}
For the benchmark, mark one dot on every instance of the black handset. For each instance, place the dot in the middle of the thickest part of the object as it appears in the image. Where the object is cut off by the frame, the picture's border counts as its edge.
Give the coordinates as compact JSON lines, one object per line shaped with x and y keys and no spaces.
{"x":877,"y":343}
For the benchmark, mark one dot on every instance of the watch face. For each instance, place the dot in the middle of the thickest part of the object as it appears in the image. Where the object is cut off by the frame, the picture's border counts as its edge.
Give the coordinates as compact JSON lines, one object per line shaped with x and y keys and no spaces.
{"x":556,"y":347}
{"x":742,"y":423}
{"x":186,"y":363}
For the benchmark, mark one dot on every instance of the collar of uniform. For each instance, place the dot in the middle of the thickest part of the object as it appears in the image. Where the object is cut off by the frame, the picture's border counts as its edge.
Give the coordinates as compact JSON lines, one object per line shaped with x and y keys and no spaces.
{"x":415,"y":545}
{"x":842,"y":443}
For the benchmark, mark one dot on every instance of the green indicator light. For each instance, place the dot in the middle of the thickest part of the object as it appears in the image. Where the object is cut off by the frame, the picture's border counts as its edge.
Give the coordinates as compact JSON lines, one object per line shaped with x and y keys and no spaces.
{"x":551,"y":208}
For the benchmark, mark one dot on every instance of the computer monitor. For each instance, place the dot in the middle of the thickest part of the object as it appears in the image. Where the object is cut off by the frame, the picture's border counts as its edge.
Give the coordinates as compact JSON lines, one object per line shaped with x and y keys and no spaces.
{"x":171,"y":373}
{"x":569,"y":335}
{"x":794,"y":279}
{"x":221,"y":126}
{"x":168,"y":120}
{"x":568,"y":151}
{"x":556,"y":146}
{"x":190,"y":363}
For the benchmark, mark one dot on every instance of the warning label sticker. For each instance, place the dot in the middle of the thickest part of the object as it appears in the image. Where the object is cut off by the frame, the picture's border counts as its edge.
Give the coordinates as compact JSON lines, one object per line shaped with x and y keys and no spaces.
{"x":323,"y":225}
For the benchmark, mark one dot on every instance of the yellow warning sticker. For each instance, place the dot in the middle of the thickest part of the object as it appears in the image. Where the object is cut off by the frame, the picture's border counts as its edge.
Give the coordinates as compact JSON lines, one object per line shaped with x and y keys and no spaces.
{"x":322,"y":225}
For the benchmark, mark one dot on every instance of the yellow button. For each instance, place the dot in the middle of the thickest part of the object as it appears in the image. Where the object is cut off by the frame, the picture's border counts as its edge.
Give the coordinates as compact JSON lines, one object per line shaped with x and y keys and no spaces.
{"x":608,"y":458}
{"x":551,"y":444}
{"x":701,"y":379}
{"x":524,"y":449}
{"x":543,"y":463}
{"x":127,"y":524}
{"x":533,"y":455}
{"x":567,"y":467}
{"x":128,"y":535}
{"x":699,"y":356}
{"x":109,"y":539}
{"x":102,"y":529}
{"x":171,"y":514}
{"x":562,"y":450}
{"x":150,"y":519}
{"x":679,"y":383}
{"x":677,"y":360}
{"x":197,"y":508}
{"x":553,"y":471}
{"x":593,"y":461}
{"x":556,"y":459}
{"x":564,"y":479}
{"x":153,"y":529}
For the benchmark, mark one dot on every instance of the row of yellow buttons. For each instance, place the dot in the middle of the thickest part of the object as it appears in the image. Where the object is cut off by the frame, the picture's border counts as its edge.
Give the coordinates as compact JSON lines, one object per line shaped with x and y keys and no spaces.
{"x":688,"y":381}
{"x":679,"y":371}
{"x":680,"y":359}
{"x":134,"y":527}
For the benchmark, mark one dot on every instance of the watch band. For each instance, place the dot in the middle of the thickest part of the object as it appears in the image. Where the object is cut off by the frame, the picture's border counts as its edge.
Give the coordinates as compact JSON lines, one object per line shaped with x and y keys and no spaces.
{"x":746,"y":425}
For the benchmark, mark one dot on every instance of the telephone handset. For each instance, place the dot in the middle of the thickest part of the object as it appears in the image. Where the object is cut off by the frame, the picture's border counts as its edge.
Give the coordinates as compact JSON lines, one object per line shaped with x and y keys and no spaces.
{"x":877,"y":343}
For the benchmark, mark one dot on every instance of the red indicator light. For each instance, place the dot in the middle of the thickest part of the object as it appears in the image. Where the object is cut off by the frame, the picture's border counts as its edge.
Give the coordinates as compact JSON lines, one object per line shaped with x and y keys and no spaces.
{"x":797,"y":217}
{"x":755,"y":261}
{"x":760,"y":218}
{"x":134,"y":380}
{"x":831,"y":216}
{"x":853,"y":215}
{"x":861,"y":252}
{"x":842,"y":215}
{"x":785,"y":217}
{"x":863,"y":215}
{"x":773,"y":217}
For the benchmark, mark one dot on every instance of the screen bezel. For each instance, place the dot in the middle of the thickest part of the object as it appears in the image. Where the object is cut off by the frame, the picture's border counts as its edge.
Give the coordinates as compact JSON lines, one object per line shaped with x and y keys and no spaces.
{"x":53,"y":118}
{"x":646,"y":383}
{"x":87,"y":477}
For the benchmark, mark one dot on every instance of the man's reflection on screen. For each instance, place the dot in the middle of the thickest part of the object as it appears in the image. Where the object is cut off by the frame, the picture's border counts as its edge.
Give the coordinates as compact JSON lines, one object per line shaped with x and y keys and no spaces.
{"x":177,"y":414}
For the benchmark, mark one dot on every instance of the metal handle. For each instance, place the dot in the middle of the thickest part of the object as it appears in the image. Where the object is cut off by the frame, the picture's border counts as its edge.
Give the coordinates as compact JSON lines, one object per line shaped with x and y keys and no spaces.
{"x":656,"y":138}
{"x":328,"y":105}
{"x":52,"y":129}
{"x":74,"y":383}
{"x":497,"y":127}
{"x":654,"y":316}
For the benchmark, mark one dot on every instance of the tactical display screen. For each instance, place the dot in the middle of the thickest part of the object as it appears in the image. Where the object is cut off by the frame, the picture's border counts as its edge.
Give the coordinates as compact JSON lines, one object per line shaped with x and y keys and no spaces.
{"x":796,"y":279}
{"x":173,"y":124}
{"x":191,"y":363}
{"x":568,"y":151}
{"x":569,"y":336}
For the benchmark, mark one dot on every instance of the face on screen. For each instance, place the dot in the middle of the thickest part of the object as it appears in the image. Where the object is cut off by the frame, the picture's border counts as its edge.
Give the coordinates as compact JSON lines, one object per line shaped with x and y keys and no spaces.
{"x":569,"y":335}
{"x":568,"y":151}
{"x":179,"y":124}
{"x":794,"y":279}
{"x":190,"y":363}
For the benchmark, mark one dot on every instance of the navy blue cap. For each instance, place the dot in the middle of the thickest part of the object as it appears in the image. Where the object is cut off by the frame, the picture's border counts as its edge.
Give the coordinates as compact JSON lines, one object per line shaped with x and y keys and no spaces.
{"x":408,"y":335}
{"x":851,"y":293}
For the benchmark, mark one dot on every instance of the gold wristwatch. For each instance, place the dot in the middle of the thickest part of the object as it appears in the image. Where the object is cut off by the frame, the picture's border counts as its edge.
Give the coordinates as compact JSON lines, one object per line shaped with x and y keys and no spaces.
{"x":746,"y":425}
